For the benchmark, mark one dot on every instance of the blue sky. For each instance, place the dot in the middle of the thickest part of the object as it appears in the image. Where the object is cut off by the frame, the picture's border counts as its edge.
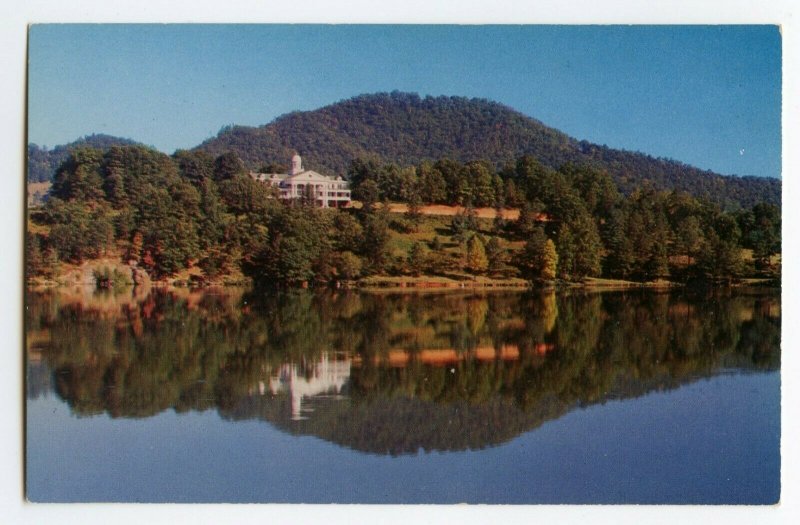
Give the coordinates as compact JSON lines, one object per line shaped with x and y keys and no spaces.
{"x":705,"y":95}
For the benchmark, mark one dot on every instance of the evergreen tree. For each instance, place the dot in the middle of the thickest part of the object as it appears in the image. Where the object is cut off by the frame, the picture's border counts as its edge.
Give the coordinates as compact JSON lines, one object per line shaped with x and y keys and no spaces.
{"x":579,"y":248}
{"x":464,"y":223}
{"x":496,"y":255}
{"x":620,"y":261}
{"x":528,"y":219}
{"x":376,"y":236}
{"x":512,"y":197}
{"x":414,"y":213}
{"x":761,"y":232}
{"x":79,"y":177}
{"x":538,"y":259}
{"x":549,"y":267}
{"x":689,"y":238}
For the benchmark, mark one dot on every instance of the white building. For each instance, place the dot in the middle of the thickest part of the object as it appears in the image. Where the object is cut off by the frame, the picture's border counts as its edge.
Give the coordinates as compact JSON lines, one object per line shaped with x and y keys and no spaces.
{"x":328,"y":192}
{"x":327,"y":377}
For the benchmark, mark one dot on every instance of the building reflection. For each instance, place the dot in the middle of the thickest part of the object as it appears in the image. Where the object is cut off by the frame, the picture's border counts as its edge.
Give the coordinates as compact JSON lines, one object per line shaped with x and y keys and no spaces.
{"x":325,"y":377}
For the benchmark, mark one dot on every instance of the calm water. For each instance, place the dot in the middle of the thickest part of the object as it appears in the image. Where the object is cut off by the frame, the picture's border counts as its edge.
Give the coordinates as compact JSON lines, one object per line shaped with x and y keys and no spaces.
{"x":302,"y":396}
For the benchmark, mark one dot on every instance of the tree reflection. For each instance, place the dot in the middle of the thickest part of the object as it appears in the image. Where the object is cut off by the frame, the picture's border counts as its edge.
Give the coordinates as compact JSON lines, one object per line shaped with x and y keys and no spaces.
{"x":386,"y":372}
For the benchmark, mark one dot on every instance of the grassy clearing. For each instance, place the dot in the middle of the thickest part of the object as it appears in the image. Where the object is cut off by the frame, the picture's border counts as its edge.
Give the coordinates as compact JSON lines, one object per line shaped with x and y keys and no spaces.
{"x":595,"y":282}
{"x":430,"y":227}
{"x":437,"y":281}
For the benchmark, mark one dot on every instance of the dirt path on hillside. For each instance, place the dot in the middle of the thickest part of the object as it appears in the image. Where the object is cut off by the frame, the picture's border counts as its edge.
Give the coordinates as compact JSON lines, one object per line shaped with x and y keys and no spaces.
{"x":440,"y":209}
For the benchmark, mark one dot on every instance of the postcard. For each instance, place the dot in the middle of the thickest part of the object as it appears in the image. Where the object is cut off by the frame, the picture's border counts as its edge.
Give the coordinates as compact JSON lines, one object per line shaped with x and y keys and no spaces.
{"x":403,"y":264}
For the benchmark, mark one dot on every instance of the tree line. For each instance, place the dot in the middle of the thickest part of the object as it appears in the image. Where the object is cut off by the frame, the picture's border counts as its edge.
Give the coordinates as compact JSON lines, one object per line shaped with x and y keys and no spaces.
{"x":576,"y":223}
{"x":43,"y":162}
{"x":166,"y":214}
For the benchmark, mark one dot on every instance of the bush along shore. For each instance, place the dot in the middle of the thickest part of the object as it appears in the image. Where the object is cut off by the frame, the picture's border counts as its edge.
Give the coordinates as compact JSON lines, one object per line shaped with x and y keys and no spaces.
{"x":130,"y":214}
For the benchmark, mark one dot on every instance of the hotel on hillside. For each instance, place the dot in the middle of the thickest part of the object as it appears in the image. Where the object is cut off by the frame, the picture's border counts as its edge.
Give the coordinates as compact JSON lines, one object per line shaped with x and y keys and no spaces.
{"x":328,"y":192}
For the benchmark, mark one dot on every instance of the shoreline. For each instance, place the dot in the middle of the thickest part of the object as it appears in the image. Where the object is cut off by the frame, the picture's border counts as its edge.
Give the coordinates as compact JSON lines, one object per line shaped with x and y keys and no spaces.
{"x":432,"y":283}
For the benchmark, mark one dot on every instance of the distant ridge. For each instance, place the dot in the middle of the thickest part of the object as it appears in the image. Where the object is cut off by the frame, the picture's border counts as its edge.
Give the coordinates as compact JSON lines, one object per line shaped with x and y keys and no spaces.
{"x":405,"y":129}
{"x":42,"y":162}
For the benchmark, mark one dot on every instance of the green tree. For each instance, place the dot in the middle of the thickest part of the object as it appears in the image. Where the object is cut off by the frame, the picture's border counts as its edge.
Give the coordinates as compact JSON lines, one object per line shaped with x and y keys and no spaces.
{"x":689,"y":238}
{"x":528,"y":219}
{"x":595,"y":188}
{"x":761,"y":231}
{"x":368,"y":194}
{"x":273,"y":167}
{"x":538,"y":259}
{"x":348,"y":234}
{"x":450,"y":171}
{"x":720,"y":259}
{"x":170,"y":233}
{"x":79,"y":177}
{"x":79,"y":232}
{"x":197,"y":166}
{"x":579,"y":248}
{"x":348,"y":265}
{"x":433,"y":188}
{"x":536,"y":181}
{"x":227,"y":166}
{"x":496,"y":254}
{"x":34,"y":256}
{"x":620,"y":260}
{"x":298,"y":240}
{"x":477,"y":177}
{"x":417,"y":258}
{"x":414,"y":213}
{"x":464,"y":222}
{"x":476,"y":260}
{"x":512,"y":196}
{"x":549,"y":268}
{"x":361,"y":170}
{"x":376,"y":237}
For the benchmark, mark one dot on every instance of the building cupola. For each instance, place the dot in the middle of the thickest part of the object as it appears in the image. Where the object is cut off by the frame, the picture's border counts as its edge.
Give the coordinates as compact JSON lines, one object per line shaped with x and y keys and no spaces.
{"x":297,"y":165}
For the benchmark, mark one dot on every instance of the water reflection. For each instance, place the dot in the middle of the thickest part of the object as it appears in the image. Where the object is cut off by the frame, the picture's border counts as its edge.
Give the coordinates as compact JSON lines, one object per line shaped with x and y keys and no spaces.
{"x":389,"y":373}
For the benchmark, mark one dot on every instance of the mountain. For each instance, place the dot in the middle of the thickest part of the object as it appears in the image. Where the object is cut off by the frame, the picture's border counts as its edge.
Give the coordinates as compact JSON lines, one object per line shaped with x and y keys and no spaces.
{"x":405,"y":129}
{"x":43,"y":162}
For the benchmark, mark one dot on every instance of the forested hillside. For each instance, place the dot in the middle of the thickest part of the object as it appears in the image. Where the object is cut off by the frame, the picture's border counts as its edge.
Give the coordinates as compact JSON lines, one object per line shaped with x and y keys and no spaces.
{"x":192,"y":212}
{"x":43,"y":162}
{"x":406,"y":129}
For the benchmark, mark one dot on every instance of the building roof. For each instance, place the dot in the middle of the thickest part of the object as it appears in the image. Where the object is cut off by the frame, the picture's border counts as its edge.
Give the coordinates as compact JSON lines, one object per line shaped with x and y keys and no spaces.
{"x":310,"y":174}
{"x":296,"y":172}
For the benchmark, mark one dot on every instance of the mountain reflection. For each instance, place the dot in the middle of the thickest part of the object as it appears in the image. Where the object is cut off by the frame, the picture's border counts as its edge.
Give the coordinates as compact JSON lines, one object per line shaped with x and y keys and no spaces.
{"x":389,"y":373}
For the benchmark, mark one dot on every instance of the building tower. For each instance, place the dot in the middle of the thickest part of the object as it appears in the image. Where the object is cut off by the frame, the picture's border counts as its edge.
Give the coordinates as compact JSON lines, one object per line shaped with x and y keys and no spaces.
{"x":297,"y":165}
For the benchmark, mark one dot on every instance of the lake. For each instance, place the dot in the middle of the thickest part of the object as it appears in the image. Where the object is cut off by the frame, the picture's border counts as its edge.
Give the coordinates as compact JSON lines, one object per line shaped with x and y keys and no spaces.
{"x":234,"y":395}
